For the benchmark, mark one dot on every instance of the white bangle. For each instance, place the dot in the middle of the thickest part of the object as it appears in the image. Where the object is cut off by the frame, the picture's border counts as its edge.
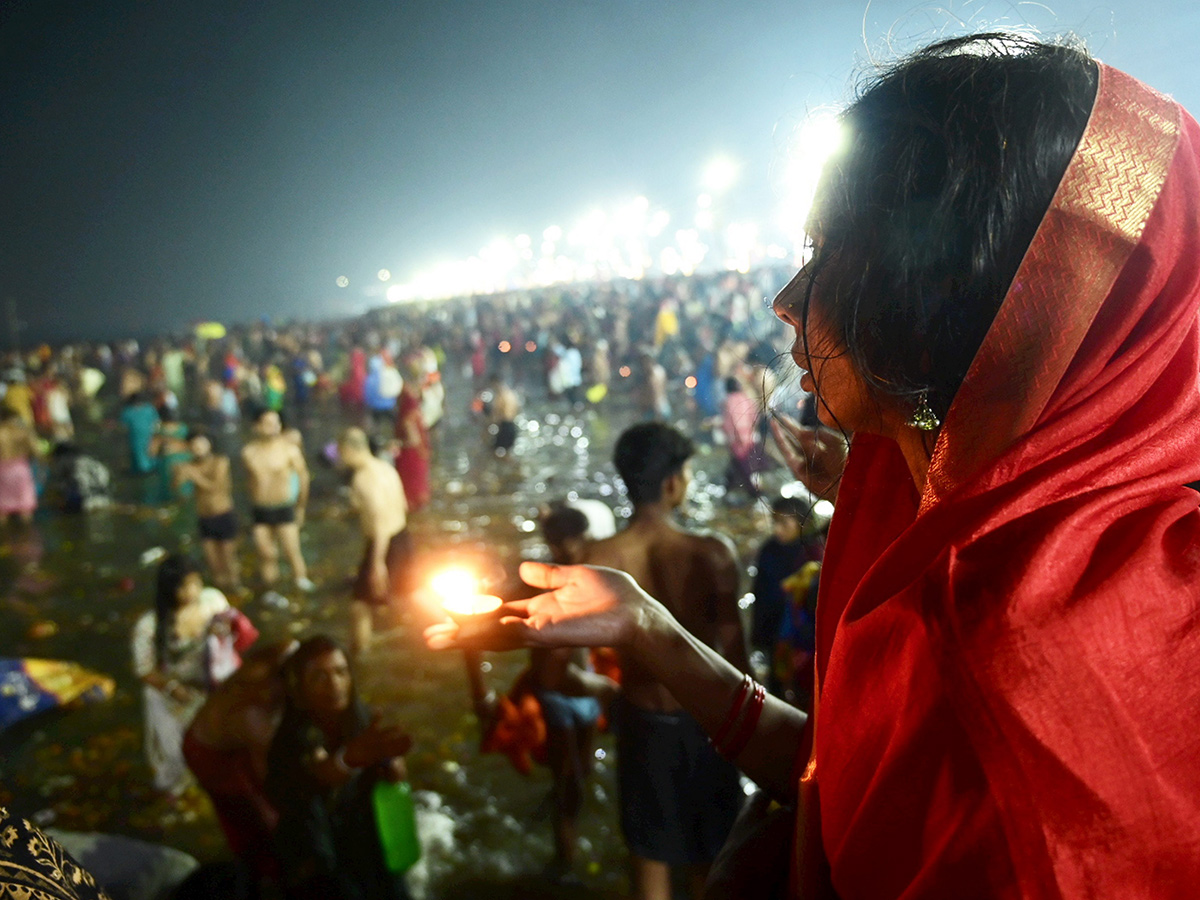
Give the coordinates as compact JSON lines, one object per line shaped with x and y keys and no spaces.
{"x":339,"y":759}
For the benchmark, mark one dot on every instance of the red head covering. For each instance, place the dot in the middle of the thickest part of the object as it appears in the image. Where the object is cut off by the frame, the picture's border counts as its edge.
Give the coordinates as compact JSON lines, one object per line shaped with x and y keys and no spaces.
{"x":1009,"y":663}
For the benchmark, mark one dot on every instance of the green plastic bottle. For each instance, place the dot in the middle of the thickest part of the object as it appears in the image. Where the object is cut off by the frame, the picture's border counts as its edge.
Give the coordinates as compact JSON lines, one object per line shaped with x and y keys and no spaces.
{"x":397,"y":823}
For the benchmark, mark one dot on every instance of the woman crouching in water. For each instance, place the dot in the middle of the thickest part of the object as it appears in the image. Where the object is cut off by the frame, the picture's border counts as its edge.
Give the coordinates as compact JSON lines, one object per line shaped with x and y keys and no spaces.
{"x":323,"y":764}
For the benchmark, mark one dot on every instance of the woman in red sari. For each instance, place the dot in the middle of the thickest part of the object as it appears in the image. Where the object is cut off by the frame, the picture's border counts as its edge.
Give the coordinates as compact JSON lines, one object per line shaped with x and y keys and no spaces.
{"x":351,"y":389}
{"x":412,"y":458}
{"x":1002,"y":308}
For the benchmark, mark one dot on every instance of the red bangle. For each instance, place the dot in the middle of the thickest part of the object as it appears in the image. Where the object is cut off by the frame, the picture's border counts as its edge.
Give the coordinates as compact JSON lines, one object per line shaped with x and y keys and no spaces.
{"x":745,"y":731}
{"x":734,"y":711}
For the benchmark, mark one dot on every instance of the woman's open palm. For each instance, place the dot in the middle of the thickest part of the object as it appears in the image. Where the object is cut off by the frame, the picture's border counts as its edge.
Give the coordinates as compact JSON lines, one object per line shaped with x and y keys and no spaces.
{"x":584,"y":606}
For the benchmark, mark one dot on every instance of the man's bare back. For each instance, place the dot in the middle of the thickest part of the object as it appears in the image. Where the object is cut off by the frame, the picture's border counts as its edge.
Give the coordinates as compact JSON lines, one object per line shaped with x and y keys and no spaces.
{"x":694,"y":575}
{"x":378,"y":495}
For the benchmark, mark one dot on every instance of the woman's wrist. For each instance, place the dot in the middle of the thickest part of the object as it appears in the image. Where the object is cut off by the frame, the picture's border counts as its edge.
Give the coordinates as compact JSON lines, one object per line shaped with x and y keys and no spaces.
{"x":655,"y":634}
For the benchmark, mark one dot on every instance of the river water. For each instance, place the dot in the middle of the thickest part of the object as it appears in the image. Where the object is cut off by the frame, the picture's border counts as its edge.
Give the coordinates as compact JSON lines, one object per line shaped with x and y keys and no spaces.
{"x":72,"y":587}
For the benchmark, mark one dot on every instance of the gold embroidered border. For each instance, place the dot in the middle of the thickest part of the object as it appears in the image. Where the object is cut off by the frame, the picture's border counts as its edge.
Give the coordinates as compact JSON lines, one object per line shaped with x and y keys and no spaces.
{"x":1094,"y":222}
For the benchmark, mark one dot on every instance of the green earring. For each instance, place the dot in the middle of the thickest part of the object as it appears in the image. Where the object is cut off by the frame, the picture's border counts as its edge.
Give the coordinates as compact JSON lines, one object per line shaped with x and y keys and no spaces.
{"x":923,"y":417}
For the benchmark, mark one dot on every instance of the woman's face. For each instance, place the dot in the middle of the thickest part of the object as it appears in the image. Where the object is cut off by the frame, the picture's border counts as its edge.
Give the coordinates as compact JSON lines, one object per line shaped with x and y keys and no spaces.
{"x":843,"y":399}
{"x":326,"y":683}
{"x":189,"y":589}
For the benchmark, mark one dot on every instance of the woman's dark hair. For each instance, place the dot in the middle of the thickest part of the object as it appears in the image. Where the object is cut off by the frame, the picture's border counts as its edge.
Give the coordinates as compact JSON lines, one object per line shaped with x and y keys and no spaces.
{"x":171,"y":574}
{"x":953,"y":157}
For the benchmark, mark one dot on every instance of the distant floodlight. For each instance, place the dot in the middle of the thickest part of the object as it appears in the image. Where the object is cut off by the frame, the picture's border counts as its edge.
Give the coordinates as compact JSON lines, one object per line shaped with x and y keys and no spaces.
{"x":523,"y":242}
{"x":720,"y":175}
{"x":384,"y":275}
{"x":395,"y":293}
{"x":553,"y":233}
{"x":343,"y":281}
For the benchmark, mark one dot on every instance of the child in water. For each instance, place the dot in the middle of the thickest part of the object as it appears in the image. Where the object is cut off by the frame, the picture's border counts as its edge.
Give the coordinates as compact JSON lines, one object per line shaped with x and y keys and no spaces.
{"x":559,"y":690}
{"x":795,"y":540}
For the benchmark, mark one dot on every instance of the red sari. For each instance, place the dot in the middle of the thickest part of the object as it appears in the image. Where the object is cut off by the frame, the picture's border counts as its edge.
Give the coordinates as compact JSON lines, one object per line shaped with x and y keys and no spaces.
{"x":1008,"y":663}
{"x":412,"y":462}
{"x":351,"y":389}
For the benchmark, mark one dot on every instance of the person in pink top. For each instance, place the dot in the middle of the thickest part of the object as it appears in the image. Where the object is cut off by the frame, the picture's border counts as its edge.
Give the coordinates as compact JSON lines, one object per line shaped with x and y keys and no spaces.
{"x":739,"y":418}
{"x":18,"y":495}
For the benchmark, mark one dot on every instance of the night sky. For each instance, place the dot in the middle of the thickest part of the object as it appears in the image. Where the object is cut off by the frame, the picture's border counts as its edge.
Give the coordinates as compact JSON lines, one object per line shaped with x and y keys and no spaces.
{"x":168,"y":162}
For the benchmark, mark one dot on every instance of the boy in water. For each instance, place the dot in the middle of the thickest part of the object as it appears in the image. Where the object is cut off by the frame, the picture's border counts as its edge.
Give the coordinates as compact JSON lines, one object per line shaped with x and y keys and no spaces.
{"x":209,"y":472}
{"x":271,"y":460}
{"x":377,"y":494}
{"x":567,"y":690}
{"x":505,"y":407}
{"x":678,"y":798}
{"x":781,"y":556}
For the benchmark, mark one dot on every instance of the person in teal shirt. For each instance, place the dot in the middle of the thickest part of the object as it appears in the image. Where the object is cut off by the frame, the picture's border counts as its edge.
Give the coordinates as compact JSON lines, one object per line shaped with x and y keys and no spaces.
{"x":141,"y":420}
{"x":169,"y":449}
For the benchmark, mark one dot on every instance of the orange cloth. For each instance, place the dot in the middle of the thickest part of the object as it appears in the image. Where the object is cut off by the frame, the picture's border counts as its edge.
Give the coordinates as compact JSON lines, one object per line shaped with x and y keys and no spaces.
{"x":518,"y":732}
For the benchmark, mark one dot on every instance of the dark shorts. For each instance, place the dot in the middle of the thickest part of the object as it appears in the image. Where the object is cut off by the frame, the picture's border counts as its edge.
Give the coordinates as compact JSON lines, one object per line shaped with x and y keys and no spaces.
{"x":221,"y":527}
{"x":678,"y":798}
{"x":399,"y":562}
{"x":506,"y":435}
{"x":273,"y":515}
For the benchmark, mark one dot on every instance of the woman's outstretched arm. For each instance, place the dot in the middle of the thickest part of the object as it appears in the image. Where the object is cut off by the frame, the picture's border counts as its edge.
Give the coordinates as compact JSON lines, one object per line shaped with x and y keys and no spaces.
{"x":591,"y":606}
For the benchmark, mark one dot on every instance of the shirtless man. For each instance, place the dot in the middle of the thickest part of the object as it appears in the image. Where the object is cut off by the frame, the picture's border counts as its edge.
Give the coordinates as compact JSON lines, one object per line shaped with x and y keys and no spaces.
{"x":505,"y":406}
{"x":678,"y":798}
{"x":651,"y":393}
{"x":209,"y":473}
{"x":270,"y":460}
{"x":18,"y":496}
{"x":378,"y":495}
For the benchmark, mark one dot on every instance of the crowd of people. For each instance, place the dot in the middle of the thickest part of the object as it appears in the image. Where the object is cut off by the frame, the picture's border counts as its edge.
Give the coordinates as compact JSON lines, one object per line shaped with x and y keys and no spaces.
{"x":998,"y":638}
{"x":217,"y":426}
